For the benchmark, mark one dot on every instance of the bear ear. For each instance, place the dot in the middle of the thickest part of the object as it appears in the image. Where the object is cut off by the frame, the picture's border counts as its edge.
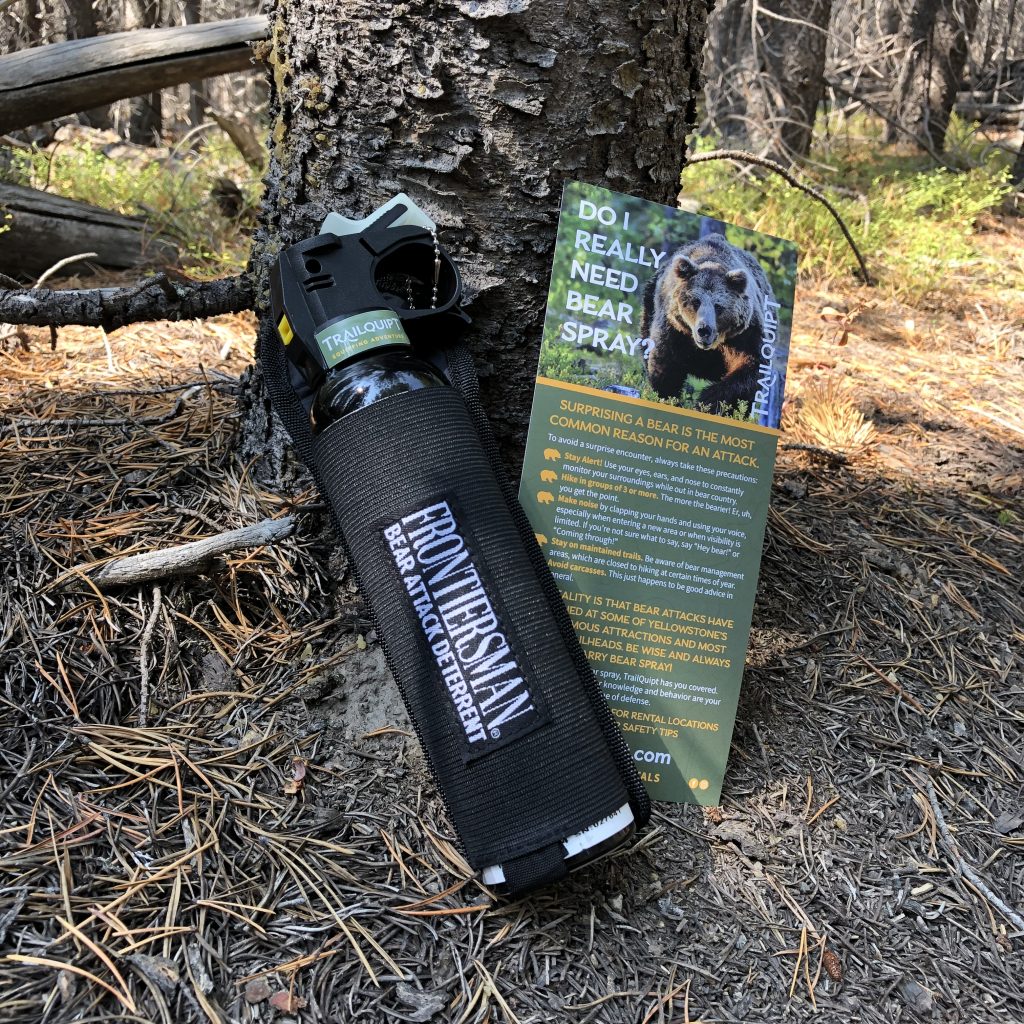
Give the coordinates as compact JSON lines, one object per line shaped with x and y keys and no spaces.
{"x":685,"y":267}
{"x":737,"y":280}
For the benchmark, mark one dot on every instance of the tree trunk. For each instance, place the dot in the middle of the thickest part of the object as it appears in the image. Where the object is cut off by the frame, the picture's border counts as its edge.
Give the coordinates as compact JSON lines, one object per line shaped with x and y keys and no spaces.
{"x":80,"y":19}
{"x":192,"y":14}
{"x":33,"y":27}
{"x":147,"y":119}
{"x":766,"y":73}
{"x":1017,"y":170}
{"x":81,"y":23}
{"x":480,"y":110}
{"x":934,"y":37}
{"x":730,"y":72}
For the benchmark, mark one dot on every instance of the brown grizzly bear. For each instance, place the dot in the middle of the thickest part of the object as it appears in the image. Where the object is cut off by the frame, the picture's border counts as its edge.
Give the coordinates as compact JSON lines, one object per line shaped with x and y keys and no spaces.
{"x":703,"y":312}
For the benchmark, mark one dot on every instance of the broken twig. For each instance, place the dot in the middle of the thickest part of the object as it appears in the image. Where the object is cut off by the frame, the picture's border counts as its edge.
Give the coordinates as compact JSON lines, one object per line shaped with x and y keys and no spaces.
{"x":965,"y":869}
{"x":147,"y":637}
{"x":741,"y":156}
{"x":184,"y":559}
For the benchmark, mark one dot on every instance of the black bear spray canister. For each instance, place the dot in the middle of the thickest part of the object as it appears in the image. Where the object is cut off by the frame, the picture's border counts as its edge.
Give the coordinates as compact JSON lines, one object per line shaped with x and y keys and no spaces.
{"x":365,"y":370}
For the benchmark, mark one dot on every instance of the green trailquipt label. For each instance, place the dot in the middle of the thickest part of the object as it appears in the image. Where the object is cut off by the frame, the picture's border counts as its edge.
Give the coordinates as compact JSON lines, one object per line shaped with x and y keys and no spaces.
{"x":649,"y":462}
{"x":353,"y":335}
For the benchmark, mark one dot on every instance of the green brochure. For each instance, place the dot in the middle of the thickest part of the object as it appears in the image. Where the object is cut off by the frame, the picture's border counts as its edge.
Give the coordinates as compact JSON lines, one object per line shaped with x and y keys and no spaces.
{"x":649,"y":462}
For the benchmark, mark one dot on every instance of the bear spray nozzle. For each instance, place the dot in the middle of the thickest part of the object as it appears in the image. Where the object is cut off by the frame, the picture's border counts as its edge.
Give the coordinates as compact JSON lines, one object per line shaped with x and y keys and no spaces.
{"x":386,"y":272}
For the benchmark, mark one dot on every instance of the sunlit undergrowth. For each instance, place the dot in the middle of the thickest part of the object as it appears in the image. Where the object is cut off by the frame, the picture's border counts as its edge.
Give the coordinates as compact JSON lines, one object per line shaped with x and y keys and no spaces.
{"x":914,"y":221}
{"x":172,"y":189}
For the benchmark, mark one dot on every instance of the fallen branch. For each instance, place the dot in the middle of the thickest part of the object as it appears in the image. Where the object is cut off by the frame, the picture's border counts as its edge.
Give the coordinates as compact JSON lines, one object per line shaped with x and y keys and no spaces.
{"x":965,"y":869}
{"x":991,"y":113}
{"x":42,"y":230}
{"x":155,"y":298}
{"x":741,"y":156}
{"x":43,"y":82}
{"x":185,"y":559}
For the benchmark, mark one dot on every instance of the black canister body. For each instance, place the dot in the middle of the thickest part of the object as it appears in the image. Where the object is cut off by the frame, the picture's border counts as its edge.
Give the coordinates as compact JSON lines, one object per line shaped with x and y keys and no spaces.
{"x":432,"y":533}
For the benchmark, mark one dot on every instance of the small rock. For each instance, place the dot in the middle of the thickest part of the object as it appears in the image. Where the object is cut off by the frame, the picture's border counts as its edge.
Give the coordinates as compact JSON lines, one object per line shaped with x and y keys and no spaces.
{"x":159,"y":969}
{"x":200,"y":975}
{"x":671,"y":910}
{"x":287,"y":1002}
{"x":916,"y":996}
{"x":215,"y":673}
{"x":256,"y":990}
{"x":1007,"y":822}
{"x":425,"y":1004}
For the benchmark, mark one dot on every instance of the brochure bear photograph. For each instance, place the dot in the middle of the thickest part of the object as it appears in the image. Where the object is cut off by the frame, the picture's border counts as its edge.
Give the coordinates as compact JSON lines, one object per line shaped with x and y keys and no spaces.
{"x":704,"y":314}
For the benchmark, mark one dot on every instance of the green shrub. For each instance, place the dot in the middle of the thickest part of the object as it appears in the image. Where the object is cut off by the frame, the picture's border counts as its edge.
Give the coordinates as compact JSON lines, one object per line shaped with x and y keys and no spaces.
{"x":913,"y":222}
{"x":172,"y":192}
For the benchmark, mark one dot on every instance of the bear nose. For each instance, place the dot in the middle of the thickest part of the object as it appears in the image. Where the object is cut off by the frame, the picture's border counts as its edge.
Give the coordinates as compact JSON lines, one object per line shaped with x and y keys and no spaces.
{"x":705,"y":332}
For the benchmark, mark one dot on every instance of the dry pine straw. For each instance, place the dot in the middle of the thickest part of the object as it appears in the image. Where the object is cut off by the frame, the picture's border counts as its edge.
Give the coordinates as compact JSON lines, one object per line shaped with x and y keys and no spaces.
{"x":233,"y":860}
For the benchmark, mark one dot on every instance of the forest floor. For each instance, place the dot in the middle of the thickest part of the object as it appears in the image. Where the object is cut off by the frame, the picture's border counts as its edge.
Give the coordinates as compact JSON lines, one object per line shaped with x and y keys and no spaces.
{"x":268,"y":846}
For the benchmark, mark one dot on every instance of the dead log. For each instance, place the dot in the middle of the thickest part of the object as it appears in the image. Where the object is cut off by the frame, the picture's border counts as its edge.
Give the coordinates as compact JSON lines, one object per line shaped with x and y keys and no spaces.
{"x":44,"y":82}
{"x":43,"y":229}
{"x":1007,"y":114}
{"x":154,"y":298}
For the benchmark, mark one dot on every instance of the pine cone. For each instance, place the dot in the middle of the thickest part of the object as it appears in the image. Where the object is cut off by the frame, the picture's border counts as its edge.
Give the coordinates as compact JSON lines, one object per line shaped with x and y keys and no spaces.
{"x":833,"y":967}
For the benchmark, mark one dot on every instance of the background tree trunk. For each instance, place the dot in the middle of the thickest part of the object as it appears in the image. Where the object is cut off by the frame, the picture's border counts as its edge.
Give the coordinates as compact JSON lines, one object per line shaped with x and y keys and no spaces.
{"x":769,"y":61}
{"x":934,"y":37}
{"x":81,"y":23}
{"x":192,"y":14}
{"x":1017,"y":170}
{"x":480,"y":110}
{"x":730,"y":72}
{"x":32,"y":25}
{"x":147,"y":120}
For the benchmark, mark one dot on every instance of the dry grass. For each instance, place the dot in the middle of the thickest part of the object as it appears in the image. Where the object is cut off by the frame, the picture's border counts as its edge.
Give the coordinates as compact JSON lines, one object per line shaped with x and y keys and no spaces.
{"x":248,"y":856}
{"x":829,"y":418}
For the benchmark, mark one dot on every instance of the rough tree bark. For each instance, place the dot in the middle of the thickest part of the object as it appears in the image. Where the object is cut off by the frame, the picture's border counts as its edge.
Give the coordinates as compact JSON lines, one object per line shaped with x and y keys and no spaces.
{"x":934,"y":36}
{"x":766,"y":73}
{"x":480,"y":110}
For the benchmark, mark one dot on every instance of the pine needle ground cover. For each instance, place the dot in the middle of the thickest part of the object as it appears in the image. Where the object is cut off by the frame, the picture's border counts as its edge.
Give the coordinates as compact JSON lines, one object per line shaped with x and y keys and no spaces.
{"x":268,"y":845}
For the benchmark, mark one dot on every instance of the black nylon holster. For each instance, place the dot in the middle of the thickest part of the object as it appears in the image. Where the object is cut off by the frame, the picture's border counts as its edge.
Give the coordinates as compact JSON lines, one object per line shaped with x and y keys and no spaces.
{"x":523,"y":766}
